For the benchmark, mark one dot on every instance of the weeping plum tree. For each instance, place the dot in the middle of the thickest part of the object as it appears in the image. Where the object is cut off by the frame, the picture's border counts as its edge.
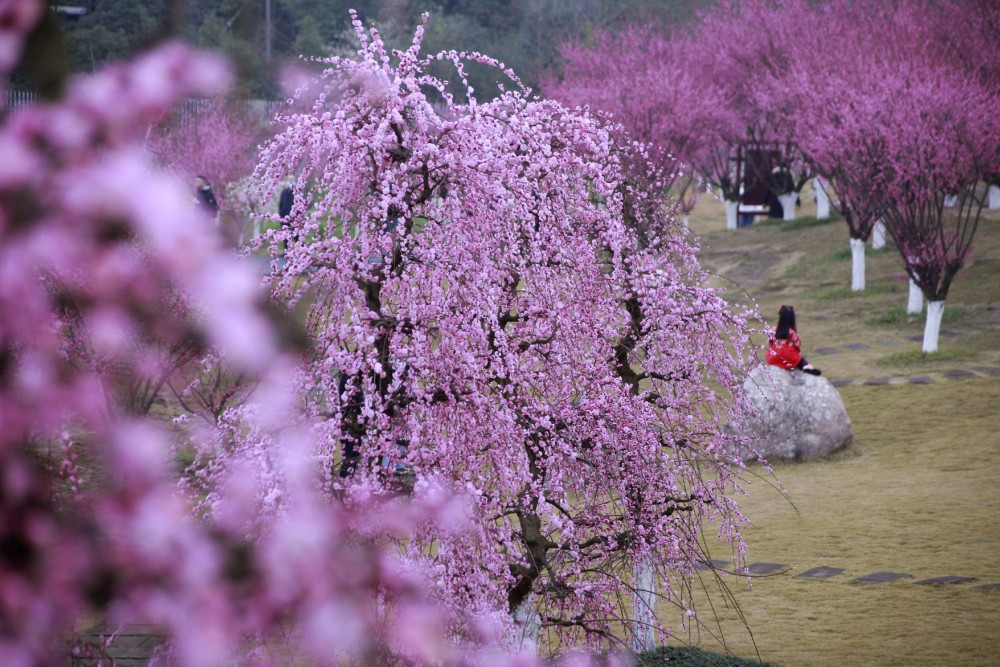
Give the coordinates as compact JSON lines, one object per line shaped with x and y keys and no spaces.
{"x":91,"y":522}
{"x":494,"y":300}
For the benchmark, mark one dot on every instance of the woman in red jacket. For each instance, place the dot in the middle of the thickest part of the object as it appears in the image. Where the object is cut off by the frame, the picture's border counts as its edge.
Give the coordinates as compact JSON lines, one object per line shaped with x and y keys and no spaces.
{"x":785,"y":349}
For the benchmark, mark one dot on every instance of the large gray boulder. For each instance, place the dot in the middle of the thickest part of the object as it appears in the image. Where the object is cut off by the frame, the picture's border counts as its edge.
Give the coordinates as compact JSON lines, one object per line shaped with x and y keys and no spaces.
{"x":793,"y":415}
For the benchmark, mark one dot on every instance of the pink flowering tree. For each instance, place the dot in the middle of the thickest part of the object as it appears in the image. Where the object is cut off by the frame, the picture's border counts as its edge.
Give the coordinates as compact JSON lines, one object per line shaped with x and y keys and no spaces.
{"x":655,"y":86}
{"x":92,"y":236}
{"x":495,"y":302}
{"x":934,"y":238}
{"x":901,"y":123}
{"x":217,"y":140}
{"x":825,"y":59}
{"x":748,"y":46}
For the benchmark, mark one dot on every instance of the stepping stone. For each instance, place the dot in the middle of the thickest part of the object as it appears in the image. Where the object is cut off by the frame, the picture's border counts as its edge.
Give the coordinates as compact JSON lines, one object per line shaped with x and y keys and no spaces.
{"x":841,"y":383}
{"x":950,"y":579}
{"x":760,"y":569}
{"x":826,"y":350}
{"x":133,"y":645}
{"x":821,"y":572}
{"x":881,"y":577}
{"x":714,"y":565}
{"x":989,"y":370}
{"x":921,"y":379}
{"x":878,"y":381}
{"x":991,"y":587}
{"x":858,"y":346}
{"x":959,"y":374}
{"x":886,"y":341}
{"x":916,"y":339}
{"x":949,"y":334}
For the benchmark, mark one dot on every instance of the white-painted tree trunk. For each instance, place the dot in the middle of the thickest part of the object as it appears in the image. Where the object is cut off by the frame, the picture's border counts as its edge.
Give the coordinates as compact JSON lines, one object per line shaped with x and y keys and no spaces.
{"x":857,"y":265}
{"x":788,"y":204}
{"x":642,"y":606}
{"x":256,"y":227}
{"x":822,"y":199}
{"x":687,"y":222}
{"x":915,"y":302}
{"x":878,"y":235}
{"x":950,"y":201}
{"x":993,"y":195}
{"x":527,"y":625}
{"x":732,"y":208}
{"x":932,"y":328}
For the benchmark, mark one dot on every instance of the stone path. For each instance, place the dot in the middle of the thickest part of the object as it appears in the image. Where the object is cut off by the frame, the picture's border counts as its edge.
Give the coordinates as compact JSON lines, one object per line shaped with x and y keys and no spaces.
{"x":129,"y":646}
{"x":764,"y":569}
{"x":951,"y":374}
{"x":134,"y":645}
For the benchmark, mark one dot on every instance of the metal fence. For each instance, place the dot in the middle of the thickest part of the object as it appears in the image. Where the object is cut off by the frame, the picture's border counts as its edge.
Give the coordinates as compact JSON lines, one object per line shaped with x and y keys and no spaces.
{"x":17,"y":100}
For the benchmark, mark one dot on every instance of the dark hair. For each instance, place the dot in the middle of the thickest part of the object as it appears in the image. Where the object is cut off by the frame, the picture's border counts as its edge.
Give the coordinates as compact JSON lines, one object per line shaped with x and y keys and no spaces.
{"x":786,"y":322}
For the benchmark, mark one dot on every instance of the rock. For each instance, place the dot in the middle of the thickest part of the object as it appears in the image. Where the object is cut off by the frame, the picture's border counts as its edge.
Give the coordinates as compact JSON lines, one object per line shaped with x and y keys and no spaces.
{"x":793,"y":415}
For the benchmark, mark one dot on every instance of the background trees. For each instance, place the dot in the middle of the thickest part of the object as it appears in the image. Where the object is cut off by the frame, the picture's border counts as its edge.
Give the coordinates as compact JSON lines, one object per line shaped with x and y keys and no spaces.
{"x":881,"y":101}
{"x":525,"y":34}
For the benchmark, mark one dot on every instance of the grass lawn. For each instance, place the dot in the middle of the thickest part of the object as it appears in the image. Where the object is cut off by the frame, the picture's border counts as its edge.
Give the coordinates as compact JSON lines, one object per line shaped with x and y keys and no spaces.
{"x":920,"y":493}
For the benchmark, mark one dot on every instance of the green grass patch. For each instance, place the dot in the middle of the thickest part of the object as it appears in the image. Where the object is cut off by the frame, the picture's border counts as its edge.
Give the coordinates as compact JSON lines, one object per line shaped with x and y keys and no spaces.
{"x":914,"y":358}
{"x":682,"y":656}
{"x":900,"y":316}
{"x":844,"y":254}
{"x":847,"y":293}
{"x":804,"y":222}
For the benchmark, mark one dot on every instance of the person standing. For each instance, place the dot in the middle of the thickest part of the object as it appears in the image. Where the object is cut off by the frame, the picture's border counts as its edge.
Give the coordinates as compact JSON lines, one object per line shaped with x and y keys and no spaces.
{"x":204,"y":196}
{"x":286,"y":200}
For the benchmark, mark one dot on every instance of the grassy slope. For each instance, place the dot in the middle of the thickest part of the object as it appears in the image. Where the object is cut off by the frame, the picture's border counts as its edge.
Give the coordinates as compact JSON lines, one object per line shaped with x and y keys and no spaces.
{"x":921,"y":493}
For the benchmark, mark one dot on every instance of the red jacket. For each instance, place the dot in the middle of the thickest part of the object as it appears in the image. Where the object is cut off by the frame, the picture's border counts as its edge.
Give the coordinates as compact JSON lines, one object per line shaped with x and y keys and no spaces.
{"x":785,"y":352}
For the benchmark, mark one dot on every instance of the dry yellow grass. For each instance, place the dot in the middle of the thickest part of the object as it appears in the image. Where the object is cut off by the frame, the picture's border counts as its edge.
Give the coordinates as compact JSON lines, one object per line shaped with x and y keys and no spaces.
{"x":921,"y":492}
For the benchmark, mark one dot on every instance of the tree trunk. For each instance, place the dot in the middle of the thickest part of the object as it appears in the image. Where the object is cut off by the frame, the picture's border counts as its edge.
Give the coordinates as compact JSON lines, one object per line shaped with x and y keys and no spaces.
{"x":822,"y":199}
{"x":644,"y":578}
{"x":857,"y":265}
{"x":932,"y":328}
{"x":731,"y":210}
{"x":687,"y":222}
{"x":915,"y":303}
{"x":788,"y":204}
{"x":878,"y":235}
{"x":950,"y":201}
{"x":527,"y":625}
{"x":993,"y":193}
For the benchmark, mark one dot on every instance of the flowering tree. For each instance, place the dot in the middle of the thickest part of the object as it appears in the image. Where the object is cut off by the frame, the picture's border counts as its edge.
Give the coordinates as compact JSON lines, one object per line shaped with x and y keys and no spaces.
{"x":217,"y":140}
{"x":827,"y":59}
{"x":904,"y":123}
{"x":92,"y":235}
{"x":495,"y":302}
{"x":747,"y":47}
{"x":654,"y":86}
